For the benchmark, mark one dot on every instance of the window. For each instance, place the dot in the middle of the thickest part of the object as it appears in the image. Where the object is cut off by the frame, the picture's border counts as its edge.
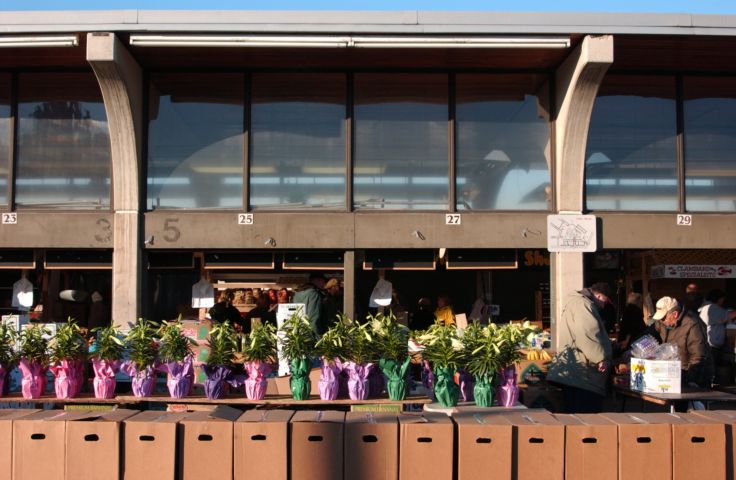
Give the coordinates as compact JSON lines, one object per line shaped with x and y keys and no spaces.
{"x":401,"y":141}
{"x":503,"y":142}
{"x":297,"y":152}
{"x":710,"y":143}
{"x":195,"y":141}
{"x":63,"y":142}
{"x":631,"y":158}
{"x":6,"y":136}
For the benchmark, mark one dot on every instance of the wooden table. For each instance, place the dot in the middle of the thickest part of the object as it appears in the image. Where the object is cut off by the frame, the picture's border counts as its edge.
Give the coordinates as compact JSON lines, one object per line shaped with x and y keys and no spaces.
{"x":706,"y":396}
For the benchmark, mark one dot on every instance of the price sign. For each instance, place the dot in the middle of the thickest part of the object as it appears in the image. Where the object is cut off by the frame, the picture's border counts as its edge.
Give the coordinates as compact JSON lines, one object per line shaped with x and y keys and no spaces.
{"x":245,"y":219}
{"x":453,"y":219}
{"x":685,"y":220}
{"x":10,"y":218}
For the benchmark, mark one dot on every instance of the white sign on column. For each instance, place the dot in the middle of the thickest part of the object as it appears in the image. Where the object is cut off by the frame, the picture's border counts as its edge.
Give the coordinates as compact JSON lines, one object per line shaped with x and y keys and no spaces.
{"x":571,"y":233}
{"x":283,"y":313}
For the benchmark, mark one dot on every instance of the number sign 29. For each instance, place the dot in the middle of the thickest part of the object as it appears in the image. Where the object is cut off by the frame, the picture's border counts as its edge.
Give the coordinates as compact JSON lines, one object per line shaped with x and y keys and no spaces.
{"x":685,"y":220}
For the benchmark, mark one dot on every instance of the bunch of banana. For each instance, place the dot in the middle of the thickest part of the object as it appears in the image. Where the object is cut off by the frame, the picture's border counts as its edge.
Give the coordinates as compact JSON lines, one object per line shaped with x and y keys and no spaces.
{"x":538,"y":354}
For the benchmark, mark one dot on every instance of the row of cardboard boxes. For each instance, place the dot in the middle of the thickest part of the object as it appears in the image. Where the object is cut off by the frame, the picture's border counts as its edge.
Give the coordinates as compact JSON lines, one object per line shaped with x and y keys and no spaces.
{"x":279,"y":444}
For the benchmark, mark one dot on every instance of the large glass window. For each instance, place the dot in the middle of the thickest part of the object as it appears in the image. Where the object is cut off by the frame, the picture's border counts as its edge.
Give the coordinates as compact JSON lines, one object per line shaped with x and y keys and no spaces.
{"x":710,"y":144}
{"x":195,"y":141}
{"x":6,"y":136}
{"x":631,"y":154}
{"x":63,"y":142}
{"x":503,"y":142}
{"x":401,"y":141}
{"x":297,"y":152}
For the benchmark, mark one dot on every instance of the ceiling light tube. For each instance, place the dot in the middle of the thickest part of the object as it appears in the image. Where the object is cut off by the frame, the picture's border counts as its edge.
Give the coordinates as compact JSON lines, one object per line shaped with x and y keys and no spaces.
{"x":45,"y":41}
{"x":346,"y":41}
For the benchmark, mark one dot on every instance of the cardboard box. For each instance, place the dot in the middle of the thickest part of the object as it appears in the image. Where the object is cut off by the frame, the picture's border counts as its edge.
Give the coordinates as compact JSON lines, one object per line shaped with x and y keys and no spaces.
{"x":484,"y":444}
{"x":698,"y":437}
{"x":371,"y":446}
{"x":591,"y":447}
{"x":93,"y":445}
{"x":644,"y":445}
{"x":317,"y":445}
{"x":206,"y":444}
{"x":728,"y":418}
{"x":260,"y":444}
{"x":656,"y":376}
{"x":7,"y":417}
{"x":425,"y":446}
{"x":532,"y":372}
{"x":39,"y":445}
{"x":150,"y":445}
{"x":539,"y":446}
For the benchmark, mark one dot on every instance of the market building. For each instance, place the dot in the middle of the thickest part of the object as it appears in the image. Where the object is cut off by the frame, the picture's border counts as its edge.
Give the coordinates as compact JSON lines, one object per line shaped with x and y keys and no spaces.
{"x":147,"y":149}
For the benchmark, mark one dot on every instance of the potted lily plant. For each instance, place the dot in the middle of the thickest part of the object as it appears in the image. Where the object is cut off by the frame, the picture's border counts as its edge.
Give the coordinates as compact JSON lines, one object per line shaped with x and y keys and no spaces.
{"x":8,"y":356}
{"x":259,"y":352}
{"x":34,"y":361}
{"x":106,"y":352}
{"x":360,"y":355}
{"x":481,"y":352}
{"x":331,"y":348}
{"x":443,"y":350}
{"x":391,"y":339}
{"x":68,"y":351}
{"x":512,"y":337}
{"x":222,"y":342}
{"x":142,"y":345}
{"x":297,"y":347}
{"x":175,"y":352}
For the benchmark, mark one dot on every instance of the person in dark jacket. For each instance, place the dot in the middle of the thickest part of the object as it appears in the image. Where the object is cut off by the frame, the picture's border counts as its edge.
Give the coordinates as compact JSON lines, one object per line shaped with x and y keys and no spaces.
{"x":423,"y":317}
{"x":312,"y":296}
{"x":224,"y":310}
{"x":632,"y":321}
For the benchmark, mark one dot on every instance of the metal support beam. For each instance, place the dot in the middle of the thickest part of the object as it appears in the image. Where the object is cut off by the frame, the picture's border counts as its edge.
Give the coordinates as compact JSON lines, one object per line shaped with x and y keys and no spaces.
{"x":348,"y":306}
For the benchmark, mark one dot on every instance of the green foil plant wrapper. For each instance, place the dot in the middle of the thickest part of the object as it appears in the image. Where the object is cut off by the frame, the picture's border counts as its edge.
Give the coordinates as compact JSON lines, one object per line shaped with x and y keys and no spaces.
{"x":446,"y":390}
{"x":299,"y":382}
{"x":396,"y":374}
{"x":483,"y":390}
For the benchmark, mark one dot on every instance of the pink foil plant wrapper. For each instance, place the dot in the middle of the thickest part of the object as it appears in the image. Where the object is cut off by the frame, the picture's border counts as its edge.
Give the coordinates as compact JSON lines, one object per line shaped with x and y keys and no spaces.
{"x":508,"y":392}
{"x":180,"y":377}
{"x":104,"y":381}
{"x":256,"y":383}
{"x":33,"y":381}
{"x":358,"y":388}
{"x":65,"y":379}
{"x":329,"y":379}
{"x":143,"y":381}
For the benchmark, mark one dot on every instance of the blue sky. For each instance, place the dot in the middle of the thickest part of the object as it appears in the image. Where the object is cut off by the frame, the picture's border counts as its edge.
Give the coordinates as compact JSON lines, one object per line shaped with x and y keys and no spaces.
{"x":672,"y":6}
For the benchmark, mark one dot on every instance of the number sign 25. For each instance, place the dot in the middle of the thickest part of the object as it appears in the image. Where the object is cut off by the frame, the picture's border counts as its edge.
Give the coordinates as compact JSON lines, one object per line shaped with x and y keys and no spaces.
{"x":10,"y":218}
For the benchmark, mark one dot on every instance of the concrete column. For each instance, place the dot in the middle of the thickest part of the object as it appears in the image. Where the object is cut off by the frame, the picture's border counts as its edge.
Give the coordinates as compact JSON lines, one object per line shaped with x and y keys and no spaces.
{"x":348,"y":306}
{"x":121,"y":82}
{"x":577,"y":82}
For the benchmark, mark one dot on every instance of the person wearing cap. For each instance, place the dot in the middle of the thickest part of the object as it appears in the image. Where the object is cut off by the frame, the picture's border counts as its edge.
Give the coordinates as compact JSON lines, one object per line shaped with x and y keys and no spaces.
{"x":312,"y":296}
{"x":333,"y":301}
{"x":673,"y":323}
{"x":581,"y":367}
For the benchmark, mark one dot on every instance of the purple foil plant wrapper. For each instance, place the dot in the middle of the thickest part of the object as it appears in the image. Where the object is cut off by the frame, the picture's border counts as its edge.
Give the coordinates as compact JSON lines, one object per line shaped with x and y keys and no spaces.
{"x":376,"y":383}
{"x":428,"y":379}
{"x":342,"y":383}
{"x":329,"y":380}
{"x":104,"y":381}
{"x":3,"y":380}
{"x":65,"y":379}
{"x":215,"y":383}
{"x":256,"y":383}
{"x":467,"y":382}
{"x":508,"y":392}
{"x":142,"y":382}
{"x":180,"y":376}
{"x":33,"y":381}
{"x":358,"y":388}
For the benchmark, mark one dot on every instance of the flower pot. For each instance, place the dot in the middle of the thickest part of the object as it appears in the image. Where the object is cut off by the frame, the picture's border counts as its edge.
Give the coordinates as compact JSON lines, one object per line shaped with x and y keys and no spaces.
{"x":3,"y":380}
{"x":508,"y":391}
{"x":142,"y":381}
{"x":179,"y":377}
{"x":33,"y":381}
{"x":358,"y":373}
{"x":256,"y":383}
{"x":396,"y":374}
{"x":446,"y":391}
{"x":483,"y":391}
{"x":79,"y":368}
{"x":215,"y":383}
{"x":104,"y":381}
{"x":299,"y":381}
{"x":329,"y":379}
{"x":65,"y":379}
{"x":376,"y":383}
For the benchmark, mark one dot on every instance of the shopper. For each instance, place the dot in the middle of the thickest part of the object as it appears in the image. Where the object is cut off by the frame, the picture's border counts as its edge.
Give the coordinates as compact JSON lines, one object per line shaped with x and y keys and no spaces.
{"x":422,"y":318}
{"x":333,"y":301}
{"x":312,"y":296}
{"x":632,"y":321}
{"x":582,"y":366}
{"x":224,"y":310}
{"x":715,"y":318}
{"x":262,"y":312}
{"x":675,"y":324}
{"x":444,"y":315}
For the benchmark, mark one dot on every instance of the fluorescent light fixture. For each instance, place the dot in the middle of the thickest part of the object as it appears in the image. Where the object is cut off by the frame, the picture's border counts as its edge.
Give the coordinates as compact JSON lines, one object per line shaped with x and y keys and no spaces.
{"x":44,"y":41}
{"x":346,"y":41}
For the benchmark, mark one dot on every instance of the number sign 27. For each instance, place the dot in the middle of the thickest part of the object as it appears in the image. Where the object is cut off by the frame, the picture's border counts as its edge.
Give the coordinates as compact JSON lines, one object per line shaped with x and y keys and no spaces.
{"x":453,"y":219}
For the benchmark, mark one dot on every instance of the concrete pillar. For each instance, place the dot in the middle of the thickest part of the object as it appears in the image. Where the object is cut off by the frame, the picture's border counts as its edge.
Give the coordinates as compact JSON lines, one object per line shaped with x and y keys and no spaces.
{"x":577,"y":81}
{"x":348,"y":306}
{"x":121,"y":82}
